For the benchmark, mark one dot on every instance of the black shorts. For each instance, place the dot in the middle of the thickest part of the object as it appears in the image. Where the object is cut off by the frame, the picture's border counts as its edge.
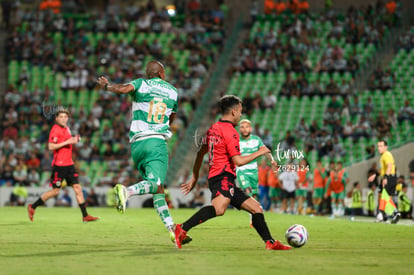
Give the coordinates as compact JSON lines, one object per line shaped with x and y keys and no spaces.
{"x":225,"y":184}
{"x":391,"y":185}
{"x":288,"y":195}
{"x":59,"y":173}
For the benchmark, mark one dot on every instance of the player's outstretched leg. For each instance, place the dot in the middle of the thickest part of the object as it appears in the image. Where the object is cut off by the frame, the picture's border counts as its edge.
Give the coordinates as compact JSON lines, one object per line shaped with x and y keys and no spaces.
{"x":259,"y":223}
{"x":82,"y":205}
{"x":121,"y":197}
{"x":186,"y":240}
{"x":180,"y":235}
{"x":163,"y":212}
{"x":202,"y":215}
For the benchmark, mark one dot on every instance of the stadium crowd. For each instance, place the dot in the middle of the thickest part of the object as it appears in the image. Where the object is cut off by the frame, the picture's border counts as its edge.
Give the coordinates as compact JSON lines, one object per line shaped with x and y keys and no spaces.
{"x":289,"y":48}
{"x":406,"y":40}
{"x":66,"y":44}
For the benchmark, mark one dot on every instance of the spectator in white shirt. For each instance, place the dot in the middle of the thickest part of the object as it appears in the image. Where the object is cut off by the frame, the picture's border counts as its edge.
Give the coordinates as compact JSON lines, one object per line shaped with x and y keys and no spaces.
{"x":270,"y":100}
{"x":406,"y":112}
{"x":289,"y":179}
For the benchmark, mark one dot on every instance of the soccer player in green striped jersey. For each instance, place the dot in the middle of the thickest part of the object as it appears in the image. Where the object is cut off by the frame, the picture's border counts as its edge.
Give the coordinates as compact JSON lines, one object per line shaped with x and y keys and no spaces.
{"x":247,"y":175}
{"x":154,"y":106}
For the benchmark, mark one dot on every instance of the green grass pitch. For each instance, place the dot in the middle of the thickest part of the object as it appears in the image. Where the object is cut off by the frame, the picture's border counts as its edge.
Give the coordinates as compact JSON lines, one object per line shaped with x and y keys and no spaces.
{"x":57,"y":242}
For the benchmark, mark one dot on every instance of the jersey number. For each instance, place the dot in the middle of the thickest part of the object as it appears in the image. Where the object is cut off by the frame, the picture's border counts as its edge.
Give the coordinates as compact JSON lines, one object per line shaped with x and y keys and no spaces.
{"x":211,"y":153}
{"x":156,"y":111}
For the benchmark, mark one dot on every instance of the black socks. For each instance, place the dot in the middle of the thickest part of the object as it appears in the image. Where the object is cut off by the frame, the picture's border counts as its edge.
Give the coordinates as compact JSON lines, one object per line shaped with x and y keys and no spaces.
{"x":83,"y":209}
{"x":261,"y":227}
{"x":39,"y":202}
{"x":204,"y":214}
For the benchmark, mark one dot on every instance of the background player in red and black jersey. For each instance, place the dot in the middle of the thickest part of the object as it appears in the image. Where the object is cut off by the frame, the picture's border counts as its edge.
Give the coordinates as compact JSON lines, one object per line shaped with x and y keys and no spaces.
{"x":222,"y":144}
{"x":60,"y":142}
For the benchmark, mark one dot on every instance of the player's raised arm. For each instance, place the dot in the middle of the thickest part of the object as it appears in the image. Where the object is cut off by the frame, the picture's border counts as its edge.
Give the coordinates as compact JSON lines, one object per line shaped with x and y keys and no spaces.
{"x":172,"y":117}
{"x":242,"y":160}
{"x":269,"y":157}
{"x":189,"y":185}
{"x":273,"y":163}
{"x":114,"y":88}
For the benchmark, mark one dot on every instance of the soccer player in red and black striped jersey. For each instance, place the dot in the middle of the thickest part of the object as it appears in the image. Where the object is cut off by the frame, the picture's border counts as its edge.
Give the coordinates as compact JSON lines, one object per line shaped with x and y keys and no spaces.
{"x":222,"y":144}
{"x":60,"y":142}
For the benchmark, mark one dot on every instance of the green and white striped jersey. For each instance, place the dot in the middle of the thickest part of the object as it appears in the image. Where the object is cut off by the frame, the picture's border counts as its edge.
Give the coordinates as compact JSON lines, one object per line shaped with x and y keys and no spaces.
{"x":247,"y":147}
{"x":153,"y":101}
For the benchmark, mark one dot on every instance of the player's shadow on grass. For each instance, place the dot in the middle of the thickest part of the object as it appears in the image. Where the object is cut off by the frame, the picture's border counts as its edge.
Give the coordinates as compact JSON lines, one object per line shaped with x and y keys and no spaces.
{"x":14,"y":224}
{"x":54,"y":251}
{"x":148,"y":250}
{"x":61,"y":253}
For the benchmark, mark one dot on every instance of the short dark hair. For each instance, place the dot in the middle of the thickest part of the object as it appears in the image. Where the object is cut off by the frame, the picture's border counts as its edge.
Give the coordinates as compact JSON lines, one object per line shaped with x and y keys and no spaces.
{"x":227,"y":102}
{"x":383,"y":140}
{"x":62,"y":110}
{"x":356,"y":183}
{"x":154,"y":68}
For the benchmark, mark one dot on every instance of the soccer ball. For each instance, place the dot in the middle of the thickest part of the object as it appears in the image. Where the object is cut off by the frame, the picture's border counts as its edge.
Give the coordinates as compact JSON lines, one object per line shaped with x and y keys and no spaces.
{"x":297,"y":235}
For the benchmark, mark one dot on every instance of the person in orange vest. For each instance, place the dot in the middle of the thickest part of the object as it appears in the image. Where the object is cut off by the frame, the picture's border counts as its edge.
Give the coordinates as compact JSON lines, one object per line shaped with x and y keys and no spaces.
{"x":44,"y":5}
{"x":293,"y":6}
{"x":336,"y":186}
{"x":280,"y":7}
{"x":326,"y":202}
{"x":391,"y":7}
{"x":302,"y":190}
{"x":391,"y":15}
{"x":54,"y":5}
{"x":268,"y":6}
{"x":342,"y":172}
{"x":319,"y":181}
{"x":264,"y":198}
{"x":274,"y":189}
{"x":303,"y":6}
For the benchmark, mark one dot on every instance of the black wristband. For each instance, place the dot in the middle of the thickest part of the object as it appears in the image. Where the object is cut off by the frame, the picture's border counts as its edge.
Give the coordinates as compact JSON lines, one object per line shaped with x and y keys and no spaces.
{"x":106,"y":85}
